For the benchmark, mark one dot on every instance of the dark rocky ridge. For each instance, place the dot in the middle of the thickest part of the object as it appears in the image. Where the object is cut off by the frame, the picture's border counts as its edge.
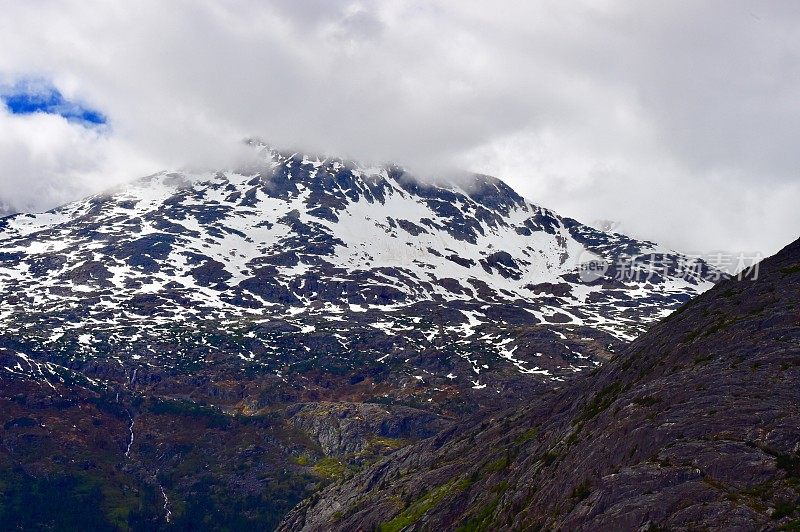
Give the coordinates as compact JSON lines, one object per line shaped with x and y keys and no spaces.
{"x":696,"y":425}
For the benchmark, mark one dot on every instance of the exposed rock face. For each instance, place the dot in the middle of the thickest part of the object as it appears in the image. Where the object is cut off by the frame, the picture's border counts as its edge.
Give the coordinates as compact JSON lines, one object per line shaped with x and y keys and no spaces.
{"x":349,"y":428}
{"x":696,"y":425}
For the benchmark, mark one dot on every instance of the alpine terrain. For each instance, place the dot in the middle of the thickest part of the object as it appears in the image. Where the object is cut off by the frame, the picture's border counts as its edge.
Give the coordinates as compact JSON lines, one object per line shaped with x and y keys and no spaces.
{"x":693,"y":426}
{"x":193,"y":350}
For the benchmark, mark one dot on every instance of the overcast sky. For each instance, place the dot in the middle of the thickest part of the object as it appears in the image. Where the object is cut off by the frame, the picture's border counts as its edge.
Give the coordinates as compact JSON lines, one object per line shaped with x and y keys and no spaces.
{"x":680,"y":120}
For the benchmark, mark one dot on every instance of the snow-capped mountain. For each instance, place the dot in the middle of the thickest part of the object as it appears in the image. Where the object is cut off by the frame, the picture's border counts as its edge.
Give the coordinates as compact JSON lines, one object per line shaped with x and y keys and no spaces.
{"x":308,"y":264}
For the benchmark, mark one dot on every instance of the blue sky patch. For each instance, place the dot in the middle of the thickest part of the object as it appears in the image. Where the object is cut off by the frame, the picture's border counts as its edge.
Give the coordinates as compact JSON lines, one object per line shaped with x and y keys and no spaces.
{"x":36,"y":97}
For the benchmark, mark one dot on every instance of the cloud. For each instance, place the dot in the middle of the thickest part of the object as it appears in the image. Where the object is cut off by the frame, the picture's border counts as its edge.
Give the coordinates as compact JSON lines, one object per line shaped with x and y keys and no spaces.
{"x":47,"y":160}
{"x":677,"y":119}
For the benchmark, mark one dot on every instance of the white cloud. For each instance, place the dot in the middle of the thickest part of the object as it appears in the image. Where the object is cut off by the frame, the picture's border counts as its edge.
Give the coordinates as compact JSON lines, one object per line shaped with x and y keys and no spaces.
{"x":677,"y":119}
{"x":46,"y":160}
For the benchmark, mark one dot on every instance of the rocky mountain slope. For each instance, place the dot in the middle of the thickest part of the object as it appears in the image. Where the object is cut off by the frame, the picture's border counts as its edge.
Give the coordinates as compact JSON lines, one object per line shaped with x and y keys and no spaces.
{"x":696,"y":425}
{"x":302,"y":264}
{"x":75,"y":457}
{"x":206,"y":350}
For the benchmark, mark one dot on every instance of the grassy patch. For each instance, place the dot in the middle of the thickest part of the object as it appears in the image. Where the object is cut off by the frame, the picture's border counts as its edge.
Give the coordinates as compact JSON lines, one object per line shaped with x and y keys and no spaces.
{"x":330,"y":468}
{"x":572,"y":439}
{"x":719,"y":326}
{"x":526,"y":436}
{"x":702,"y":360}
{"x":784,"y":509}
{"x":790,"y":269}
{"x":303,"y":460}
{"x":627,"y":364}
{"x":600,"y":402}
{"x":550,"y":457}
{"x":498,"y":465}
{"x":789,"y":463}
{"x":581,"y":491}
{"x":418,"y":508}
{"x":691,"y":336}
{"x":646,"y":401}
{"x":482,"y":519}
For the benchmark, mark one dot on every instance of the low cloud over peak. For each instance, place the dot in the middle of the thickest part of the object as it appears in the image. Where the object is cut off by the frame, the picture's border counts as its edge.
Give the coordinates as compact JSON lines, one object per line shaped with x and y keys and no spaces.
{"x":677,"y":120}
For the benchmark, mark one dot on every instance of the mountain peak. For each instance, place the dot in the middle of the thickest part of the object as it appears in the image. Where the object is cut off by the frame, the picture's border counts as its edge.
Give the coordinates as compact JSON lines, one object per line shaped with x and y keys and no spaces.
{"x":316,"y":243}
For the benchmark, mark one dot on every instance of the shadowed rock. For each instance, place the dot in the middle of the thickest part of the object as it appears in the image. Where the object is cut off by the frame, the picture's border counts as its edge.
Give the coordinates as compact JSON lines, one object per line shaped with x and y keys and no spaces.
{"x":696,"y":425}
